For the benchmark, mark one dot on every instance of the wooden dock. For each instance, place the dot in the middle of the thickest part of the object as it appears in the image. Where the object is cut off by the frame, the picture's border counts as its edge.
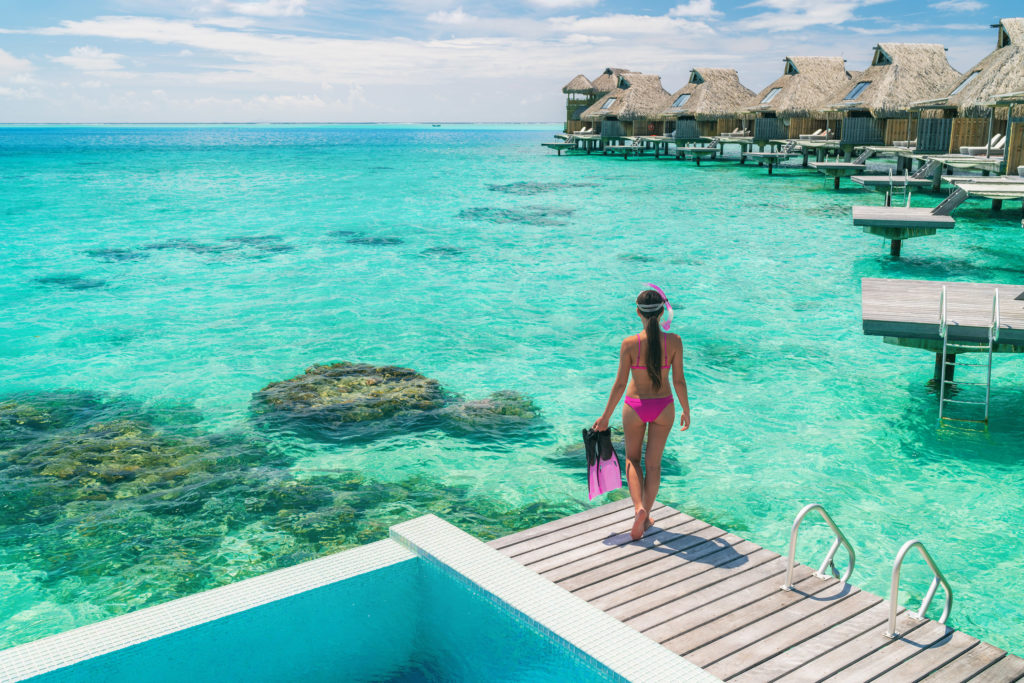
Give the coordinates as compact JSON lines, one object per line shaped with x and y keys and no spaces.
{"x":715,"y":599}
{"x":909,"y":309}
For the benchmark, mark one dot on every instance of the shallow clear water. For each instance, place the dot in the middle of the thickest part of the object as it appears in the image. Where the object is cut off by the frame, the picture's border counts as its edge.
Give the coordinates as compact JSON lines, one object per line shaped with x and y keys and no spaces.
{"x":152,"y":279}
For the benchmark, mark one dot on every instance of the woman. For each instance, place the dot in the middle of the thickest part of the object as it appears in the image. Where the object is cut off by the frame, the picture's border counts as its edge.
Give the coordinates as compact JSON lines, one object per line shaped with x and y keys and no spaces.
{"x":644,"y":362}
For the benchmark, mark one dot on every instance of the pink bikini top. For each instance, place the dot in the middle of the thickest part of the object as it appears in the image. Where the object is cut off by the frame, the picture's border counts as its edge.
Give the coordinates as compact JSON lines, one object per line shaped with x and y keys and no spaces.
{"x":639,"y":345}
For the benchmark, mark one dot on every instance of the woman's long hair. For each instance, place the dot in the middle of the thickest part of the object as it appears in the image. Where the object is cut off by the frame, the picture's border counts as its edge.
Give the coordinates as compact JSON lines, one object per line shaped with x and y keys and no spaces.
{"x":649,"y":298}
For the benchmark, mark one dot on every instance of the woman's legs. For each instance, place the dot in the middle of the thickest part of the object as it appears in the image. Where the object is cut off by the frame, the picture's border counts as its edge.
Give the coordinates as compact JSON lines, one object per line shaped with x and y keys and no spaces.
{"x":657,"y":435}
{"x":634,"y":429}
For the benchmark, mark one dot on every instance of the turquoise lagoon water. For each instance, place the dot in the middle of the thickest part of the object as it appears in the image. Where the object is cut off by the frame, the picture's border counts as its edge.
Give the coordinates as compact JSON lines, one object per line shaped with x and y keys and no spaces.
{"x":153,"y":278}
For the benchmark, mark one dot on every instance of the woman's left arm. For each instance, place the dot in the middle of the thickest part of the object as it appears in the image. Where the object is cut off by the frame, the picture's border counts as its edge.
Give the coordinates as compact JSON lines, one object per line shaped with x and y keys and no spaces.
{"x":679,"y":382}
{"x":618,"y":388}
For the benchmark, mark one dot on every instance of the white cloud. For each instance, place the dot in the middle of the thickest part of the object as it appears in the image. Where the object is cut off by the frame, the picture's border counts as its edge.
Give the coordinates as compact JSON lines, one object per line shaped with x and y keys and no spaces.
{"x":269,"y":8}
{"x":562,"y":4}
{"x":958,"y":5}
{"x":11,"y":66}
{"x":291,"y":100}
{"x":701,"y":9}
{"x":793,"y":15}
{"x":633,"y":24}
{"x":456,"y":17}
{"x":89,"y":58}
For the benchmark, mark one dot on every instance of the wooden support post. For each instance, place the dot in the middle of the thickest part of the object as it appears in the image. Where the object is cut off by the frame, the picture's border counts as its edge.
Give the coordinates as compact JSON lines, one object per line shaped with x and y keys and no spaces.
{"x":894,"y":248}
{"x":696,"y":157}
{"x":805,"y":159}
{"x":819,"y":154}
{"x":848,"y":155}
{"x":835,"y":185}
{"x":997,"y":204}
{"x":937,"y":179}
{"x":769,"y":167}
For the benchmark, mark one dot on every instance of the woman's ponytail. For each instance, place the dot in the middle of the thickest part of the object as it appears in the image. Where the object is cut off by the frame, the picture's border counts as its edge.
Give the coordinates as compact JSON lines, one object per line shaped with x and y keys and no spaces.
{"x":651,"y":305}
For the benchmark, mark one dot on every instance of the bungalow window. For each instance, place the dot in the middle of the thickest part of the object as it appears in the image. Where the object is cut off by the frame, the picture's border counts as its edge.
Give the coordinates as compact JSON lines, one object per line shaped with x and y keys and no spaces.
{"x":857,"y":90}
{"x":964,"y":82}
{"x":607,"y":103}
{"x":681,"y":100}
{"x":771,"y":95}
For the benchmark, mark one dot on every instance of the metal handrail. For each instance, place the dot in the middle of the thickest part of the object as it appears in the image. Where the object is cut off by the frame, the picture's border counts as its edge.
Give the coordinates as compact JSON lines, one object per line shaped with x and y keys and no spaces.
{"x":840,"y":539}
{"x":942,"y":312}
{"x":937,"y":578}
{"x":993,"y":332}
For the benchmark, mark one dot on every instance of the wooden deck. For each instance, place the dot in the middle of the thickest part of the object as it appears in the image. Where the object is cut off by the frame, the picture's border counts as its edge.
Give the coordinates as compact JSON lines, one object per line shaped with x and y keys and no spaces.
{"x":900,"y":217}
{"x":715,"y":599}
{"x":909,"y":309}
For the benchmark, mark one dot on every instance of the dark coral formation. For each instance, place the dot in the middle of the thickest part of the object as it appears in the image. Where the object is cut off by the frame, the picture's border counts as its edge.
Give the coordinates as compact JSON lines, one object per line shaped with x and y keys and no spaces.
{"x":373,"y":241}
{"x":503,"y":414}
{"x":117,"y":254}
{"x":71,"y":281}
{"x":531,"y":215}
{"x":442,"y":251}
{"x":529,"y":188}
{"x":339,"y":393}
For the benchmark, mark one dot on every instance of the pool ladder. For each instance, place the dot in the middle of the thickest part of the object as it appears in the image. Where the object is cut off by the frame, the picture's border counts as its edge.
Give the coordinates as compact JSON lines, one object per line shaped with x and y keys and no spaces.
{"x":955,"y":346}
{"x":829,"y":563}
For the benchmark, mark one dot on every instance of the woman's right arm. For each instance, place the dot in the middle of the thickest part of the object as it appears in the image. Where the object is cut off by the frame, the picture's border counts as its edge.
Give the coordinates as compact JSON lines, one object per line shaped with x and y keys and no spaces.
{"x":679,"y":382}
{"x":618,"y":388}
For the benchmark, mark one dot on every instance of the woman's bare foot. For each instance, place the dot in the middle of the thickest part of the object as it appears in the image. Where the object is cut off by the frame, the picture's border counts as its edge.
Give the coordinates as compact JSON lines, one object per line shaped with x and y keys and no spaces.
{"x":648,"y":523}
{"x":639,"y":524}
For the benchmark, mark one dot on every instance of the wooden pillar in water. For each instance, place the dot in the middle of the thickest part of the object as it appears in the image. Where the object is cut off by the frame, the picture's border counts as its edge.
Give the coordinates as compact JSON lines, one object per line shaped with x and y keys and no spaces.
{"x":805,"y":158}
{"x":997,"y":204}
{"x":950,"y":358}
{"x":835,"y":185}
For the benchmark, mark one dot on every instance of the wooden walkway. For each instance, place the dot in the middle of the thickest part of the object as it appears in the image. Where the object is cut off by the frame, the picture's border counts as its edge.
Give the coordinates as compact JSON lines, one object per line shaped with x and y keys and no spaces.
{"x":910,"y":309}
{"x":715,"y":599}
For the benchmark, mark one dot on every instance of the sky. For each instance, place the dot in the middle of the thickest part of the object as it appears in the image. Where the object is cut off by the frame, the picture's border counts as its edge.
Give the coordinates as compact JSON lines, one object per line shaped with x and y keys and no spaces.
{"x":146,"y":61}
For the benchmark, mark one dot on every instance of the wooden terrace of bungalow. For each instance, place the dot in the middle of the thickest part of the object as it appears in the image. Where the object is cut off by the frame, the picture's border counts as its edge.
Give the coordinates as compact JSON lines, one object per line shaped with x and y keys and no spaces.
{"x":717,"y":600}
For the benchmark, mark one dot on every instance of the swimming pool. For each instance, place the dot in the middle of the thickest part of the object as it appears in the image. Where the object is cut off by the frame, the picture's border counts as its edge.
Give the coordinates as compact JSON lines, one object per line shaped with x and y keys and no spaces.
{"x":154,"y":278}
{"x":429,"y":604}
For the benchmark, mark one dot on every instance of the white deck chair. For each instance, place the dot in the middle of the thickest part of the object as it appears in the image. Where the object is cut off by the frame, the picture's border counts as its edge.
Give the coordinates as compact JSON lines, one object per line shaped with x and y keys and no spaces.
{"x":997,"y":144}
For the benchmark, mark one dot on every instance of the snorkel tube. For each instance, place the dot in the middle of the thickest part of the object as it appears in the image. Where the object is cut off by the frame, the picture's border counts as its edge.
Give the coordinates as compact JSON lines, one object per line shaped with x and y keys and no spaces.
{"x":667,"y":323}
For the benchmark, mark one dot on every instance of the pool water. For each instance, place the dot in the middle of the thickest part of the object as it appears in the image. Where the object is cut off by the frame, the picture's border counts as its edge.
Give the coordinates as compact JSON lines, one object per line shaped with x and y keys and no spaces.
{"x":413,"y":621}
{"x":153,"y":278}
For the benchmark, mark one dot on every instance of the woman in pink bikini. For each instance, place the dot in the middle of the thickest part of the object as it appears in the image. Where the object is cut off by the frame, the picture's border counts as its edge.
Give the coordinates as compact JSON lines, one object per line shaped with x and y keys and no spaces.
{"x":644,"y":363}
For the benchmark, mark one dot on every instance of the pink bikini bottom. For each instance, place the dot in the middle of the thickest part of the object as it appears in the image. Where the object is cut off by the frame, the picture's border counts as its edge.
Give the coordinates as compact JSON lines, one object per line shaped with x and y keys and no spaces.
{"x":648,"y":409}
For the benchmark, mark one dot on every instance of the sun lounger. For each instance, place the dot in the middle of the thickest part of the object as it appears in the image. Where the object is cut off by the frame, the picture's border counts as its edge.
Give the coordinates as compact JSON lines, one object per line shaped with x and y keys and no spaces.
{"x":910,"y":144}
{"x":816,"y":135}
{"x":996,"y":144}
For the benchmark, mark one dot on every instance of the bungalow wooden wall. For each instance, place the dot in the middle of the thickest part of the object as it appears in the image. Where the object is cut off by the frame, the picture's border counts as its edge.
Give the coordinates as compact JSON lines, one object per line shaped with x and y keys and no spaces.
{"x":1015,"y":147}
{"x":727,"y":125}
{"x":708,"y":129}
{"x":972,"y":133}
{"x":798,"y":127}
{"x":900,"y":129}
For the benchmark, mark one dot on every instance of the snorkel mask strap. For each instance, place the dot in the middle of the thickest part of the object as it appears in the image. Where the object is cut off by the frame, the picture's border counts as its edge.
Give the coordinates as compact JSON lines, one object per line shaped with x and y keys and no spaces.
{"x":667,"y":324}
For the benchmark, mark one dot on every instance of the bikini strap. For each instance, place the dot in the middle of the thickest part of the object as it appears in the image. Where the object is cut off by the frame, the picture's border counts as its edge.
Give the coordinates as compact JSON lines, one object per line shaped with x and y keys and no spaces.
{"x":639,"y":346}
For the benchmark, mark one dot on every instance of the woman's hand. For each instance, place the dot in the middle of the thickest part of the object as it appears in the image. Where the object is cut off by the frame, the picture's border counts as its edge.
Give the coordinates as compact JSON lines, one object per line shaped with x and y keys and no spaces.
{"x":684,"y":421}
{"x":601,"y":424}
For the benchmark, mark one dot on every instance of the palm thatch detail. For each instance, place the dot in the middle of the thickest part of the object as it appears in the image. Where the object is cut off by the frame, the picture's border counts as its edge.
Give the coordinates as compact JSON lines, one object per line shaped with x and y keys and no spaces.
{"x":713,"y":94}
{"x":608,"y":80}
{"x":638,"y":96}
{"x":580,"y":85}
{"x":900,"y":74}
{"x":803,"y":89}
{"x":1000,"y":72}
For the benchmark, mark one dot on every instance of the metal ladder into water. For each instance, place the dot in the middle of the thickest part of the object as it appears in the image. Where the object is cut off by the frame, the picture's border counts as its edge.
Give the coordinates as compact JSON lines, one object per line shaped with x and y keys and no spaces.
{"x":988,"y":348}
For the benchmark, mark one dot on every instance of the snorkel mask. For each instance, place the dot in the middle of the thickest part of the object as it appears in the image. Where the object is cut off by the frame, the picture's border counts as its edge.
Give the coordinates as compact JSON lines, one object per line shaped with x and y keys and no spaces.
{"x":651,"y":308}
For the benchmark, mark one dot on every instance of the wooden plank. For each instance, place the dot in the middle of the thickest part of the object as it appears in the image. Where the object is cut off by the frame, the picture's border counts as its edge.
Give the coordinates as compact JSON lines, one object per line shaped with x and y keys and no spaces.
{"x":900,"y":217}
{"x":758,"y":650}
{"x":1009,"y":668}
{"x":930,"y":635}
{"x":727,"y":623}
{"x":873,"y":619}
{"x":971,"y":663}
{"x":617,"y":560}
{"x":932,"y":659}
{"x":739,"y":590}
{"x":570,"y":537}
{"x":534,"y":532}
{"x":757,"y":625}
{"x":862,"y":648}
{"x":664,"y":575}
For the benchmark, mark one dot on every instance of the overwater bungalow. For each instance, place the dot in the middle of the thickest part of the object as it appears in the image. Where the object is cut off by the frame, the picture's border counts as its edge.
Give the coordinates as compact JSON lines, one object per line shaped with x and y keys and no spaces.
{"x":580,"y":94}
{"x":969,"y":113}
{"x":791,"y":106}
{"x":706,"y":106}
{"x":632,"y":108}
{"x":874,"y":107}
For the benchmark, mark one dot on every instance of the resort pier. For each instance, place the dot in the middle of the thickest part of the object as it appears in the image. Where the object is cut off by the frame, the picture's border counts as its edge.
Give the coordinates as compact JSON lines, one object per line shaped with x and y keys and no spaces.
{"x":718,"y":601}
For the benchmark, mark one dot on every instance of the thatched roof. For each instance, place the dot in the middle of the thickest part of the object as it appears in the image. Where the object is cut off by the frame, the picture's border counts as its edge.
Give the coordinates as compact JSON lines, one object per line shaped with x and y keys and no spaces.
{"x":638,"y":96}
{"x":608,"y":80}
{"x":900,"y":73}
{"x":1001,"y":71}
{"x":804,"y":87}
{"x":713,"y":93}
{"x":581,"y":84}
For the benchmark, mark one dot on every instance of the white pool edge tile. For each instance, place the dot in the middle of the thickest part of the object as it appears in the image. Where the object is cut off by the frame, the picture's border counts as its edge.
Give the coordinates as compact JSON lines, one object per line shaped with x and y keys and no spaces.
{"x":622,"y":649}
{"x":64,"y":649}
